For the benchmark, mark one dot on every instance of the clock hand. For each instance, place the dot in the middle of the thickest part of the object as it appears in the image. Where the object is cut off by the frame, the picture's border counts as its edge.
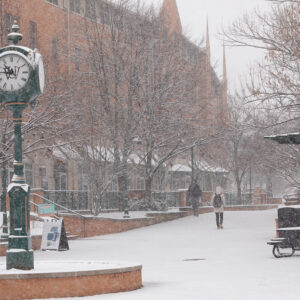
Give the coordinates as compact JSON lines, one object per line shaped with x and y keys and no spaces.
{"x":9,"y":72}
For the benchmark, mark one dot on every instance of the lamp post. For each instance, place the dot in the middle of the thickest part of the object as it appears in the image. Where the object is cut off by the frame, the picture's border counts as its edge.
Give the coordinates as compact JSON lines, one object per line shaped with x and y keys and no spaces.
{"x":192,"y":163}
{"x":21,"y":82}
{"x":126,"y":194}
{"x":126,"y":215}
{"x":250,"y":183}
{"x":3,"y":195}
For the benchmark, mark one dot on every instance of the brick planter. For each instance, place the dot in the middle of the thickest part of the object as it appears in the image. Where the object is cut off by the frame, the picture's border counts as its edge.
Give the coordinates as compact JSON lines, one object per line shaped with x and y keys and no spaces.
{"x":18,"y":286}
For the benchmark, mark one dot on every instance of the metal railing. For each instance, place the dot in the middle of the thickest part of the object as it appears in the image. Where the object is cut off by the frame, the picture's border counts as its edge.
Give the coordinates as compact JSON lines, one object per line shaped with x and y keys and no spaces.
{"x":74,"y":200}
{"x":78,"y":200}
{"x":172,"y":199}
{"x":62,"y":208}
{"x":231,"y":199}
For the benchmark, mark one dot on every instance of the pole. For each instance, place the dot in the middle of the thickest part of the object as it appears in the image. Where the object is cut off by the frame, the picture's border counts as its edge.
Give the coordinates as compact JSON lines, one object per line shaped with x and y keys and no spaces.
{"x":250,"y":183}
{"x":4,"y":190}
{"x":192,"y":162}
{"x":126,"y":194}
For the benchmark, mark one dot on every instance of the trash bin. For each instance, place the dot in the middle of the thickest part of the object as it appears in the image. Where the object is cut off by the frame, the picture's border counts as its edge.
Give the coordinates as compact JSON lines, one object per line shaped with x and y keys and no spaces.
{"x":289,"y":217}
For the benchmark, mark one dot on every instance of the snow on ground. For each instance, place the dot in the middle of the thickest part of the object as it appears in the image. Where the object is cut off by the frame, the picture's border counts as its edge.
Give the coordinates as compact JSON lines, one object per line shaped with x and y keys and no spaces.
{"x":234,"y":263}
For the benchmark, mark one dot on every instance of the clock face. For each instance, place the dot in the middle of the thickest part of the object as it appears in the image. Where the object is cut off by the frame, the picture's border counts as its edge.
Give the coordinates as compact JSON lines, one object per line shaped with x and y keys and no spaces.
{"x":14,"y":72}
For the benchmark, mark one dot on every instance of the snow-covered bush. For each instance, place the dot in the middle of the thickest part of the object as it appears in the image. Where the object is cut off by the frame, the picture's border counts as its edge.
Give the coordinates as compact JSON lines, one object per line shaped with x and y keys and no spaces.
{"x":143,"y":205}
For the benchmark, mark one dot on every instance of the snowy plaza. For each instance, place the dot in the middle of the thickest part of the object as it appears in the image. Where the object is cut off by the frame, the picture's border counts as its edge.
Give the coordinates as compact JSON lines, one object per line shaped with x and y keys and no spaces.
{"x":144,"y":155}
{"x":190,"y":259}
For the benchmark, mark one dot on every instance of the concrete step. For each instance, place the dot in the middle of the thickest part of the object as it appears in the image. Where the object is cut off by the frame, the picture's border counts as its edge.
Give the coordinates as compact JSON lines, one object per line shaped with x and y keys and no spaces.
{"x":72,"y":237}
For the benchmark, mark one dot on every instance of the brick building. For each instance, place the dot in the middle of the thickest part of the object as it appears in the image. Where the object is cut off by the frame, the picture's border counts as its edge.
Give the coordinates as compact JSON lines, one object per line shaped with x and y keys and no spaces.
{"x":53,"y":26}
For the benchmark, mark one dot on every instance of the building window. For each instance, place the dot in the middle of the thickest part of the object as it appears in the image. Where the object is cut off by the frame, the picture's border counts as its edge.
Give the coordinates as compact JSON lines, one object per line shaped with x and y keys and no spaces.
{"x":208,"y":186}
{"x":77,"y":59}
{"x":140,"y":181}
{"x":55,"y":2}
{"x":32,"y":35}
{"x":112,"y":181}
{"x":28,"y":174}
{"x":10,"y":174}
{"x":90,"y":9}
{"x":83,"y":182}
{"x":158,"y":180}
{"x":8,"y":23}
{"x":43,"y":179}
{"x":75,"y":6}
{"x":54,"y":51}
{"x":118,"y":21}
{"x":104,"y":13}
{"x":177,"y":181}
{"x":60,"y":176}
{"x":62,"y":181}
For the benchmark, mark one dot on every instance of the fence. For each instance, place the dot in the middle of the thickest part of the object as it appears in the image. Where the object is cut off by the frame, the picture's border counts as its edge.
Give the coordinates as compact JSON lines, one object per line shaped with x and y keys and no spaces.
{"x":231,"y":199}
{"x":76,"y":200}
{"x":110,"y":201}
{"x":171,"y":198}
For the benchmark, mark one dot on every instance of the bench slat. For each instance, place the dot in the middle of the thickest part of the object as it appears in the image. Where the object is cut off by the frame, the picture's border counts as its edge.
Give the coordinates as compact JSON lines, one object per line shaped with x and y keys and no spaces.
{"x":274,"y":242}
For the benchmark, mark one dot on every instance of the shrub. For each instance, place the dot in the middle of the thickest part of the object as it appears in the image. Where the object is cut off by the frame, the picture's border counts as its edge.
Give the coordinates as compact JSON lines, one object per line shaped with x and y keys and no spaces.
{"x":143,"y":205}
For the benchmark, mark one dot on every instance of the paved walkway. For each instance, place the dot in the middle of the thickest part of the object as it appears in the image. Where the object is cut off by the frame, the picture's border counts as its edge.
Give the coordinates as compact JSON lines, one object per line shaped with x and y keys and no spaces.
{"x":190,"y":259}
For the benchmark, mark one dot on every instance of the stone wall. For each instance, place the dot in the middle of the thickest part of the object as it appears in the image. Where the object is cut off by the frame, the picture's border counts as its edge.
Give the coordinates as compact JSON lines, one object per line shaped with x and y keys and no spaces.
{"x":92,"y":226}
{"x":71,"y":284}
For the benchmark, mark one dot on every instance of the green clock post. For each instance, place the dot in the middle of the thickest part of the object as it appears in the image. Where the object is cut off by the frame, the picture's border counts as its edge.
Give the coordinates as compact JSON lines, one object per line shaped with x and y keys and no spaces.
{"x":21,"y":82}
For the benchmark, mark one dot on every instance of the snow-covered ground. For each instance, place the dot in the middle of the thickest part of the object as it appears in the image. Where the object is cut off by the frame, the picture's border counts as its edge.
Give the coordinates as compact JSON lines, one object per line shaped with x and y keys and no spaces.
{"x":190,"y":259}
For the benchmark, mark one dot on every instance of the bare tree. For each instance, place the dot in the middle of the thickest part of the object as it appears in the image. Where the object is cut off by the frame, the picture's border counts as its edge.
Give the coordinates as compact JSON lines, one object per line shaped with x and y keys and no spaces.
{"x":275,"y":81}
{"x":274,"y":90}
{"x":147,"y":91}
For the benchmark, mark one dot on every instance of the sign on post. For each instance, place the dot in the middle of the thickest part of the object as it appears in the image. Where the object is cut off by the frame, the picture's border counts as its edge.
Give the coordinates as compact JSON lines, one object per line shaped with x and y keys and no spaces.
{"x":44,"y":209}
{"x":54,"y":236}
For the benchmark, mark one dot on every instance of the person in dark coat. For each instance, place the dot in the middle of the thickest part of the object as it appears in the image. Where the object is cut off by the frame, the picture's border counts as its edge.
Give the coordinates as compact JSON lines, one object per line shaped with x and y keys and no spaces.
{"x":194,"y":194}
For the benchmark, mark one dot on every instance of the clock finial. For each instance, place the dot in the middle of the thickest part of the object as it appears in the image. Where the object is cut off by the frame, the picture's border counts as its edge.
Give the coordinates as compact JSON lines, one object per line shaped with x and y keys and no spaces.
{"x":15,"y":36}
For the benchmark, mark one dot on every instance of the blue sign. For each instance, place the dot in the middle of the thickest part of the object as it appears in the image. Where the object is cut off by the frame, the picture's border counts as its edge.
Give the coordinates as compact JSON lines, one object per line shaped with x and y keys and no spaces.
{"x":45,"y":209}
{"x":53,"y":234}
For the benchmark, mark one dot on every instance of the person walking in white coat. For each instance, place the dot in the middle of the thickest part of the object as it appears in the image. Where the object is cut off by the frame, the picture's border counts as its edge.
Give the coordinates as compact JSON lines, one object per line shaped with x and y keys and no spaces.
{"x":218,"y":202}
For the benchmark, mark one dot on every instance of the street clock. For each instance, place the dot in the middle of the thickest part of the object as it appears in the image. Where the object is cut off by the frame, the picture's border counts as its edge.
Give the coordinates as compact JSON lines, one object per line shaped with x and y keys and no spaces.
{"x":22,"y":77}
{"x":22,"y":80}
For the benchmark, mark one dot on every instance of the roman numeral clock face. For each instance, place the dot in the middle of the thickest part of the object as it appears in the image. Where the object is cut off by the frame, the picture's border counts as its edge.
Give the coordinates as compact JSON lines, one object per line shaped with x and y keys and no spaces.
{"x":14,"y":72}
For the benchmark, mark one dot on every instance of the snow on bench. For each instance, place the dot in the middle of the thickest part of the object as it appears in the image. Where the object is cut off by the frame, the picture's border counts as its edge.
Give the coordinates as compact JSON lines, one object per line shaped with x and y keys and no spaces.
{"x":289,"y":228}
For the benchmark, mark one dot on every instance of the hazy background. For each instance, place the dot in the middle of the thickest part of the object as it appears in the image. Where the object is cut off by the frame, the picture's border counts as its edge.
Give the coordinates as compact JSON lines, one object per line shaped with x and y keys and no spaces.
{"x":220,"y":13}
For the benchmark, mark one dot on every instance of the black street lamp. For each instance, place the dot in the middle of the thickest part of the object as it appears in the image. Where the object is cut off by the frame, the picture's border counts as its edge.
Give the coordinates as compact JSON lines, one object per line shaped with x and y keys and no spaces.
{"x":3,"y":195}
{"x":192,"y":163}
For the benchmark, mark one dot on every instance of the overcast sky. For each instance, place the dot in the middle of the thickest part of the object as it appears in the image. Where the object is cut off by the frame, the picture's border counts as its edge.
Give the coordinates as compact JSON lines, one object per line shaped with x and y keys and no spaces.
{"x":220,"y":13}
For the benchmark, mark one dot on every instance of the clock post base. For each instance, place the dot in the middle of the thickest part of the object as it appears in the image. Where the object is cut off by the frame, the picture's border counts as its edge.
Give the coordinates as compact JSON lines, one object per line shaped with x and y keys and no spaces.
{"x":22,"y":260}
